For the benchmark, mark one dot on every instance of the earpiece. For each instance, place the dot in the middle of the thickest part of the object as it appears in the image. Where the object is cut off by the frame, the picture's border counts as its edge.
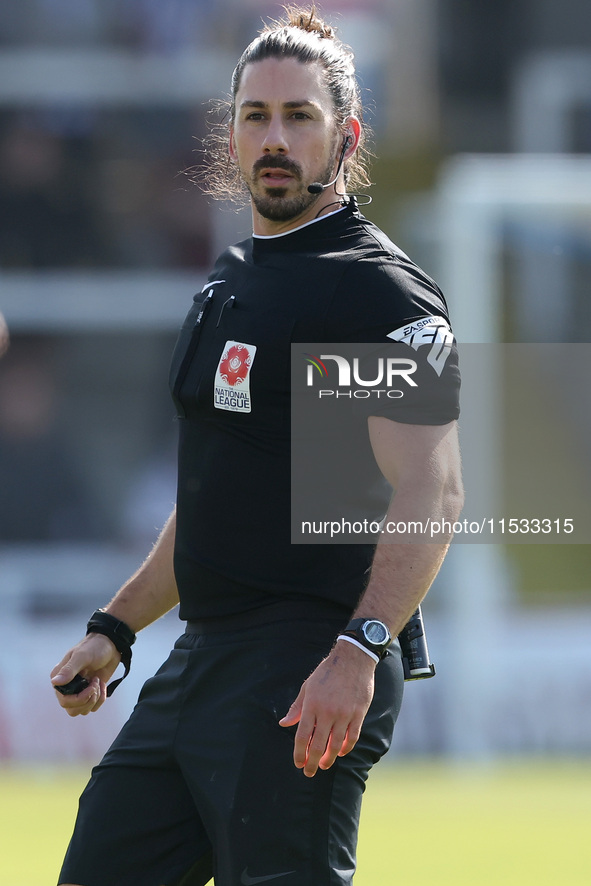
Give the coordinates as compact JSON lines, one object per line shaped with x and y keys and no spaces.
{"x":318,"y":187}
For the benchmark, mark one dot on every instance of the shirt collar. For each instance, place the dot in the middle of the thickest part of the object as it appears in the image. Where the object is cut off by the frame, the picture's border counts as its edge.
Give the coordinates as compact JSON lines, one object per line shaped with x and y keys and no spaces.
{"x":299,"y":228}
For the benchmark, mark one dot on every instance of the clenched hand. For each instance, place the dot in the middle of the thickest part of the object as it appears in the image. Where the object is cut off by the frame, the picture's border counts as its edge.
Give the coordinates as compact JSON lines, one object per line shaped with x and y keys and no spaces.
{"x":96,"y":658}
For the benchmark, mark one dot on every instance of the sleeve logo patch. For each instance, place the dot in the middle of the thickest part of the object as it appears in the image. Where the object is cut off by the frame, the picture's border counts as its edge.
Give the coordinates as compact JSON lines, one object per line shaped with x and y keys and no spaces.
{"x":433,"y":331}
{"x":231,"y":388}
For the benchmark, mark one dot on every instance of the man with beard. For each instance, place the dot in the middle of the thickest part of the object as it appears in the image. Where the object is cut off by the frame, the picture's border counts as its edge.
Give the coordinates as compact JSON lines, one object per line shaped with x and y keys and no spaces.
{"x":247,"y":754}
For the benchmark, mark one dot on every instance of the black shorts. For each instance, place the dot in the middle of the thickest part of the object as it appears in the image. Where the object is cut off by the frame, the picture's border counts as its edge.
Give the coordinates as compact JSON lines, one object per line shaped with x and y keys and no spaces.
{"x":200,"y":782}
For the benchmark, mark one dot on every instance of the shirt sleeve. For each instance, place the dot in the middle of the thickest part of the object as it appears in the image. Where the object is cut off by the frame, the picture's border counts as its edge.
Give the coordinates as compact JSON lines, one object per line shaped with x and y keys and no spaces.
{"x":387,"y":301}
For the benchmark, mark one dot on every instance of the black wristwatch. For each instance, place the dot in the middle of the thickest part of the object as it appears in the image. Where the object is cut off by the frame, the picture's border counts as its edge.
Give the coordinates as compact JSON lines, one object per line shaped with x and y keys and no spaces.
{"x":371,"y":633}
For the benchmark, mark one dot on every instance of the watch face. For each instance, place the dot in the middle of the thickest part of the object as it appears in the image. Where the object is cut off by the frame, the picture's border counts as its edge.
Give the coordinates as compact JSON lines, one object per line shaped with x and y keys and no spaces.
{"x":376,"y":632}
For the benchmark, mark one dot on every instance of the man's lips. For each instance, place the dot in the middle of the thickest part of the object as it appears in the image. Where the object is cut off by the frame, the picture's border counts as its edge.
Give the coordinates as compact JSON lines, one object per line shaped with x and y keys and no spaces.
{"x":275,"y":176}
{"x":276,"y":171}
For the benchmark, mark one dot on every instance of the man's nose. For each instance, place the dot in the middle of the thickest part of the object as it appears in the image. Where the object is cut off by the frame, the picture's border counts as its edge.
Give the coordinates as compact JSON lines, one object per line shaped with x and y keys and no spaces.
{"x":275,"y":138}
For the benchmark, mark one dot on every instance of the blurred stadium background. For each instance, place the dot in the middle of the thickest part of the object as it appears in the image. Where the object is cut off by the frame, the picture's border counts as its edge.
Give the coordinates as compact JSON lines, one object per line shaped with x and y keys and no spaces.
{"x":482,"y":122}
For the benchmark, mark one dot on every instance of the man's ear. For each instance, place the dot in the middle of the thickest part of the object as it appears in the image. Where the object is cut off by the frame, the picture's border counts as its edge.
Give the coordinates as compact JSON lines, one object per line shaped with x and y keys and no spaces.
{"x":353,"y":133}
{"x":232,"y":146}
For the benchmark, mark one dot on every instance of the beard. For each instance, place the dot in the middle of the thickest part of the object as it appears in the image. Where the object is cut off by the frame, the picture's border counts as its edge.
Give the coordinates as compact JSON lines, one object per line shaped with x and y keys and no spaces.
{"x":275,"y":206}
{"x":273,"y":203}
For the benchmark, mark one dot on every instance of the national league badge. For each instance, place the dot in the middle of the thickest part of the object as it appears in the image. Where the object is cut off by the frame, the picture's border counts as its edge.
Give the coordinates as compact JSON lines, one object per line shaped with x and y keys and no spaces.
{"x":231,"y":387}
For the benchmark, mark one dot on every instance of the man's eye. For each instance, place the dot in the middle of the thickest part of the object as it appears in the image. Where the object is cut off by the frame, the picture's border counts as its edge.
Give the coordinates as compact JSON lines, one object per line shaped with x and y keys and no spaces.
{"x":256,"y":115}
{"x":300,"y":115}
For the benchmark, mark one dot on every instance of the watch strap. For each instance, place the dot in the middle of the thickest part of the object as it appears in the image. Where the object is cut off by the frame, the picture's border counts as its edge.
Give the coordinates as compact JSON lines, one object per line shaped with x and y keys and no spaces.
{"x":119,"y":633}
{"x":354,"y":632}
{"x":359,"y":645}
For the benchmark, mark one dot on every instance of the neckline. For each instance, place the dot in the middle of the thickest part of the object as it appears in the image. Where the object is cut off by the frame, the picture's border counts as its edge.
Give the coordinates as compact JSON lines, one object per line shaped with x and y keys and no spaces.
{"x":267,"y":237}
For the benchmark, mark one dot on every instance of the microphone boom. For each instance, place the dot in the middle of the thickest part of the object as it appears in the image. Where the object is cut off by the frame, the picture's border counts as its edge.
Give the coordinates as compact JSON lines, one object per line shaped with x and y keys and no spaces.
{"x":318,"y":187}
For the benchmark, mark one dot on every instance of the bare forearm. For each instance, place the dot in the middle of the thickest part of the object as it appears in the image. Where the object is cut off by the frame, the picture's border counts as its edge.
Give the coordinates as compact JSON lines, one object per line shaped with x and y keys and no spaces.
{"x":152,"y":590}
{"x":400,"y":578}
{"x":402,"y":574}
{"x":145,"y":597}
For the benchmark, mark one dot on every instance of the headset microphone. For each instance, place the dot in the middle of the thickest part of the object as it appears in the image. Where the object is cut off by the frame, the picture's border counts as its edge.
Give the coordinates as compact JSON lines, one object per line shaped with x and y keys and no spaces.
{"x":318,"y":187}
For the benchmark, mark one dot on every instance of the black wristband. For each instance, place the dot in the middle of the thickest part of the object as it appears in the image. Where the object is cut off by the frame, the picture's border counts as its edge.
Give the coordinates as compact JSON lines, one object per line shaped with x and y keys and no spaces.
{"x":120,"y":635}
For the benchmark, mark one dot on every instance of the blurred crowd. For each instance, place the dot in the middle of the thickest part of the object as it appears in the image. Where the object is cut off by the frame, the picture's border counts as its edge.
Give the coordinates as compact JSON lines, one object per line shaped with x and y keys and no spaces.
{"x":149,"y":25}
{"x":94,"y":189}
{"x":95,"y":186}
{"x":66,"y":472}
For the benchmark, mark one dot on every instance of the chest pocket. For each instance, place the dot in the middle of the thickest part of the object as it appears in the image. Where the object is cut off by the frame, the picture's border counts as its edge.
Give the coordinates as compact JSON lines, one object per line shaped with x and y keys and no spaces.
{"x":186,"y":347}
{"x":233,"y":363}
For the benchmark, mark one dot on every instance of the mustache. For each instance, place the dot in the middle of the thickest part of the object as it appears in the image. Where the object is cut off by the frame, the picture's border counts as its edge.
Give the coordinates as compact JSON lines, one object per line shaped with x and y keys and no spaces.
{"x":278,"y":162}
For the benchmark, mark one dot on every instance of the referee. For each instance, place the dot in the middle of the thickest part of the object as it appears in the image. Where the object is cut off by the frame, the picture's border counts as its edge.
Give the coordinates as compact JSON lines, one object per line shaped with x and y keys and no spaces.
{"x":246,"y":756}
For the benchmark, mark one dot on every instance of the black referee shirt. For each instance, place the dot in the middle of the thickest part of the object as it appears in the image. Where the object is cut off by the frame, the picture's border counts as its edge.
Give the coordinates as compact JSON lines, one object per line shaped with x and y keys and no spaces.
{"x":337,"y":279}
